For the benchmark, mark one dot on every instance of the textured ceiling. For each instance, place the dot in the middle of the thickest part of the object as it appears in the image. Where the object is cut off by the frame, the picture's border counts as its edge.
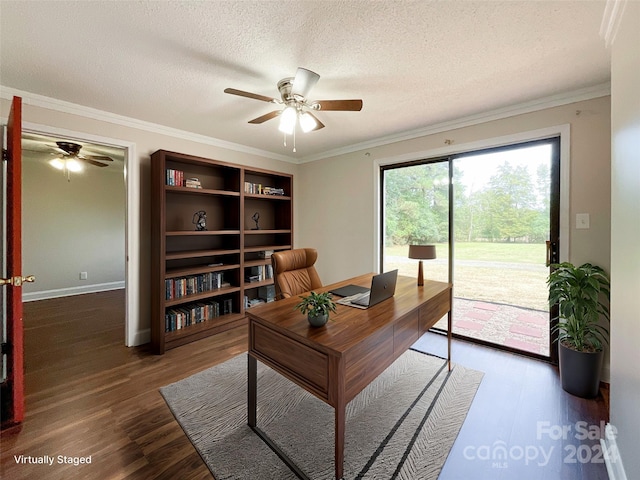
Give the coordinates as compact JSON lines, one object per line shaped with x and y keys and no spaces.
{"x":414,"y":64}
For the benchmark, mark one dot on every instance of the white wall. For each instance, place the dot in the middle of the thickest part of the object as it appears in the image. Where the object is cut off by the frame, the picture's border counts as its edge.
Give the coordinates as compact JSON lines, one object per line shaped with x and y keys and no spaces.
{"x":625,"y":238}
{"x":71,"y":227}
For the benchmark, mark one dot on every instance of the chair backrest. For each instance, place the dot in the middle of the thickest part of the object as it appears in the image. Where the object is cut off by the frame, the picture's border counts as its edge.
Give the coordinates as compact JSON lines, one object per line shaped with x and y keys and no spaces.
{"x":294,"y":273}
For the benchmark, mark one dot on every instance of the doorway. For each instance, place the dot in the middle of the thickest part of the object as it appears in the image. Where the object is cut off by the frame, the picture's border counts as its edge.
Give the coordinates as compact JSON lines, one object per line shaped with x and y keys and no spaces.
{"x":503,"y":207}
{"x":74,"y":195}
{"x":130,"y":173}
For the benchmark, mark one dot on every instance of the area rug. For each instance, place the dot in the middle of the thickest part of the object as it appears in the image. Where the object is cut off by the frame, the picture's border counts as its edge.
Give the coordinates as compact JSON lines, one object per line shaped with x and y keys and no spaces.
{"x":401,"y":426}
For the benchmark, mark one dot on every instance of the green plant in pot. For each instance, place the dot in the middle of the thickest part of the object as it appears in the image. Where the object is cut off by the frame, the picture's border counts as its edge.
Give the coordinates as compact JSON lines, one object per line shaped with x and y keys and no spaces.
{"x":582,"y":296}
{"x":317,"y":306}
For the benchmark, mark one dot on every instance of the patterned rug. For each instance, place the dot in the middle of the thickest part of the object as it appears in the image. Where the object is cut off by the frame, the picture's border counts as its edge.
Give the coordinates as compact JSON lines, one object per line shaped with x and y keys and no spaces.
{"x":401,"y":426}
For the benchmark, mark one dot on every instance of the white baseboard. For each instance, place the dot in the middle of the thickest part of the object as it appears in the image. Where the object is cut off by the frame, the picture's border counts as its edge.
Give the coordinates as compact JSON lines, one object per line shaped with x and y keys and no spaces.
{"x":140,"y":338}
{"x":67,"y":292}
{"x":612,"y":459}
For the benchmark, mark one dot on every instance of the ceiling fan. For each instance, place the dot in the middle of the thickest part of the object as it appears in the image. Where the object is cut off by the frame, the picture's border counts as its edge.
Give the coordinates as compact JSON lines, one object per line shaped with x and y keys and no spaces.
{"x":296,"y":107}
{"x":68,"y":158}
{"x":70,"y":150}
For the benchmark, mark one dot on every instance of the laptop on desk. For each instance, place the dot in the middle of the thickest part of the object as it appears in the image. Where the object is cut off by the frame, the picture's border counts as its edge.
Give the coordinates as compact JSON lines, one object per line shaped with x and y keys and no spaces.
{"x":383,"y":286}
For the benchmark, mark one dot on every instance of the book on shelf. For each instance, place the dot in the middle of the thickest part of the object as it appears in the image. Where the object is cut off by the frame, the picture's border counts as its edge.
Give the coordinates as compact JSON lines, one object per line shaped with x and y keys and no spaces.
{"x":273,"y":191}
{"x":190,"y":285}
{"x":259,"y":273}
{"x":192,"y":183}
{"x":175,"y":178}
{"x":248,"y":303}
{"x":265,"y":254}
{"x":185,"y":316}
{"x":259,"y":189}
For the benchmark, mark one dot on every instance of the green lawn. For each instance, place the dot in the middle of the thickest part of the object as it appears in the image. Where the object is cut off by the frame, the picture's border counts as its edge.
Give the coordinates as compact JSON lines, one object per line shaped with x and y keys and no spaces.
{"x":512,"y":274}
{"x":533,"y":253}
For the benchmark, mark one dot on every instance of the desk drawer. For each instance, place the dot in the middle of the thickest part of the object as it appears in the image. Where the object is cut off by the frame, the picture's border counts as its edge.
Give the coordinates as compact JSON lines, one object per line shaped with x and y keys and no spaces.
{"x":293,"y":359}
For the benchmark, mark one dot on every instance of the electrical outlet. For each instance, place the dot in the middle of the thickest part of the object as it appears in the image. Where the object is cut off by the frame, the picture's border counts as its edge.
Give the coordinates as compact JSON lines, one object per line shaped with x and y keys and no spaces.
{"x":83,"y":275}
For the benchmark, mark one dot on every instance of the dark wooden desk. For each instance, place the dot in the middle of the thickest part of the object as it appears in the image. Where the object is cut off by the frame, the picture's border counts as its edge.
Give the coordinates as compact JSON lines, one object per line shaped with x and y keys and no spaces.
{"x":337,"y":361}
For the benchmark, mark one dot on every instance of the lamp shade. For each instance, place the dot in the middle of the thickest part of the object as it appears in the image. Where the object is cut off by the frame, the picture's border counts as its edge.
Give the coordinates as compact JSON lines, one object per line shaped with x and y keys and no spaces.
{"x":422,"y":252}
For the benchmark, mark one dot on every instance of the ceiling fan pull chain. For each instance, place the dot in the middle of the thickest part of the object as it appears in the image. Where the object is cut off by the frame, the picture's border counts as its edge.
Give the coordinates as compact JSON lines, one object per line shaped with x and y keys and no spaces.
{"x":294,"y":139}
{"x":285,"y":139}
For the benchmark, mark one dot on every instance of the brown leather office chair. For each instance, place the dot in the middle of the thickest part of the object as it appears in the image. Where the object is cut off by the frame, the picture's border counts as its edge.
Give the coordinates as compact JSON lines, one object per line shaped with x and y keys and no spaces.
{"x":294,"y":273}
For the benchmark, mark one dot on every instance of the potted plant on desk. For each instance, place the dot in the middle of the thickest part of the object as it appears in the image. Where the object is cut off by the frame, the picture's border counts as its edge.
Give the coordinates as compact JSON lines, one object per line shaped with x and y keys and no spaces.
{"x":582,"y":296}
{"x":317,"y":306}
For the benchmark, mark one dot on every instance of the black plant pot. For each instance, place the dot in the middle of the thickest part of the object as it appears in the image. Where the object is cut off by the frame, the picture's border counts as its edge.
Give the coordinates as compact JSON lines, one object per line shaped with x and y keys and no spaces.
{"x":580,"y":371}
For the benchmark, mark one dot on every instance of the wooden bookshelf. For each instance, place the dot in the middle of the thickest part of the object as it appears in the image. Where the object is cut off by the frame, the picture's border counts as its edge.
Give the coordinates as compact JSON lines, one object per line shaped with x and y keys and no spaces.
{"x":202,"y":281}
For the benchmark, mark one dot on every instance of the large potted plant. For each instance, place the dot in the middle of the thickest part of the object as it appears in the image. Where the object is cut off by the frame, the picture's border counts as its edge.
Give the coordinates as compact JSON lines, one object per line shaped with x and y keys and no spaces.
{"x":317,"y":306}
{"x":582,"y":296}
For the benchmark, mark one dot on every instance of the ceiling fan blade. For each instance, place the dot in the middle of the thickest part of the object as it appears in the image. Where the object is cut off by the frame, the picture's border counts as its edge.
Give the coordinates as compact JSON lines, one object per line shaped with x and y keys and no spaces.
{"x":60,"y":153}
{"x":255,"y":96}
{"x":100,"y":158}
{"x":266,"y":117}
{"x":92,"y":162}
{"x":304,"y":82}
{"x":340,"y":105}
{"x":318,"y":122}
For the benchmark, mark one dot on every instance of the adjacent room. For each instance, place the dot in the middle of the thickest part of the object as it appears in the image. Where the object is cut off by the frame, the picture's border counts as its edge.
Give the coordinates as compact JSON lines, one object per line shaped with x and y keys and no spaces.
{"x":320,"y":239}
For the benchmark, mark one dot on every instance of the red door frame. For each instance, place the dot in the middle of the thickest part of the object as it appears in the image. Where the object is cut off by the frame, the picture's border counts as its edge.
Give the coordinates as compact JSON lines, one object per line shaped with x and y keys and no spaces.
{"x":14,"y":385}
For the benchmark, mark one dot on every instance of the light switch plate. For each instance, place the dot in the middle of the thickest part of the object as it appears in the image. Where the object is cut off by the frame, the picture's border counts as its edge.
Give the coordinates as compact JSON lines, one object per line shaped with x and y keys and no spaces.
{"x":582,"y":220}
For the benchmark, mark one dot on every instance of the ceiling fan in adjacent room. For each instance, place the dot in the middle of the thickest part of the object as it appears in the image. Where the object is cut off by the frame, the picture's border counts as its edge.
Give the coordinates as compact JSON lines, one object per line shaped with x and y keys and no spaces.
{"x":296,"y":108}
{"x":69,"y":159}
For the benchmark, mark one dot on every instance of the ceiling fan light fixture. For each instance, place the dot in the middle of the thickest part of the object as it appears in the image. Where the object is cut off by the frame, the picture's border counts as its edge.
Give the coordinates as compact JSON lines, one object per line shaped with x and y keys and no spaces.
{"x":74,"y":165}
{"x":307,"y":122}
{"x":288,"y":120}
{"x":57,"y":163}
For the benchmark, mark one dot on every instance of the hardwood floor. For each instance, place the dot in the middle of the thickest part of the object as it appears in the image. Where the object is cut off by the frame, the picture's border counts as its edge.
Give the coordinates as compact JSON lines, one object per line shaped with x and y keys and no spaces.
{"x":88,"y":395}
{"x":521,"y":425}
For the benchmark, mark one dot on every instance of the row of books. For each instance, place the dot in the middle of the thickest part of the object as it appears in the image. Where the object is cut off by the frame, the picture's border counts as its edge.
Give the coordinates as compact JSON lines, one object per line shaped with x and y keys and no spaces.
{"x":179,"y":318}
{"x":191,"y":285}
{"x":259,"y":273}
{"x":176,"y":178}
{"x":259,"y":189}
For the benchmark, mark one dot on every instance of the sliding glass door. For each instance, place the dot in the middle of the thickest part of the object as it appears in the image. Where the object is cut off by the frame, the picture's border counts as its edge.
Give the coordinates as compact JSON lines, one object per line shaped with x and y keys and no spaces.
{"x":490,"y":223}
{"x":416,"y":212}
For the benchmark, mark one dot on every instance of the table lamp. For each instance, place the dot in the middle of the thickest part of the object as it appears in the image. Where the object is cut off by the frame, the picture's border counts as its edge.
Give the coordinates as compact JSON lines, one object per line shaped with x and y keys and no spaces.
{"x":422,"y":252}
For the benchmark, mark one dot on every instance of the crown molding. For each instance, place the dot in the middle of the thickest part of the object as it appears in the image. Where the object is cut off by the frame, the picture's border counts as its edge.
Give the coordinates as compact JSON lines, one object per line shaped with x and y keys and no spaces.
{"x":49,"y":103}
{"x":582,"y":94}
{"x":505,"y":112}
{"x":611,"y":18}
